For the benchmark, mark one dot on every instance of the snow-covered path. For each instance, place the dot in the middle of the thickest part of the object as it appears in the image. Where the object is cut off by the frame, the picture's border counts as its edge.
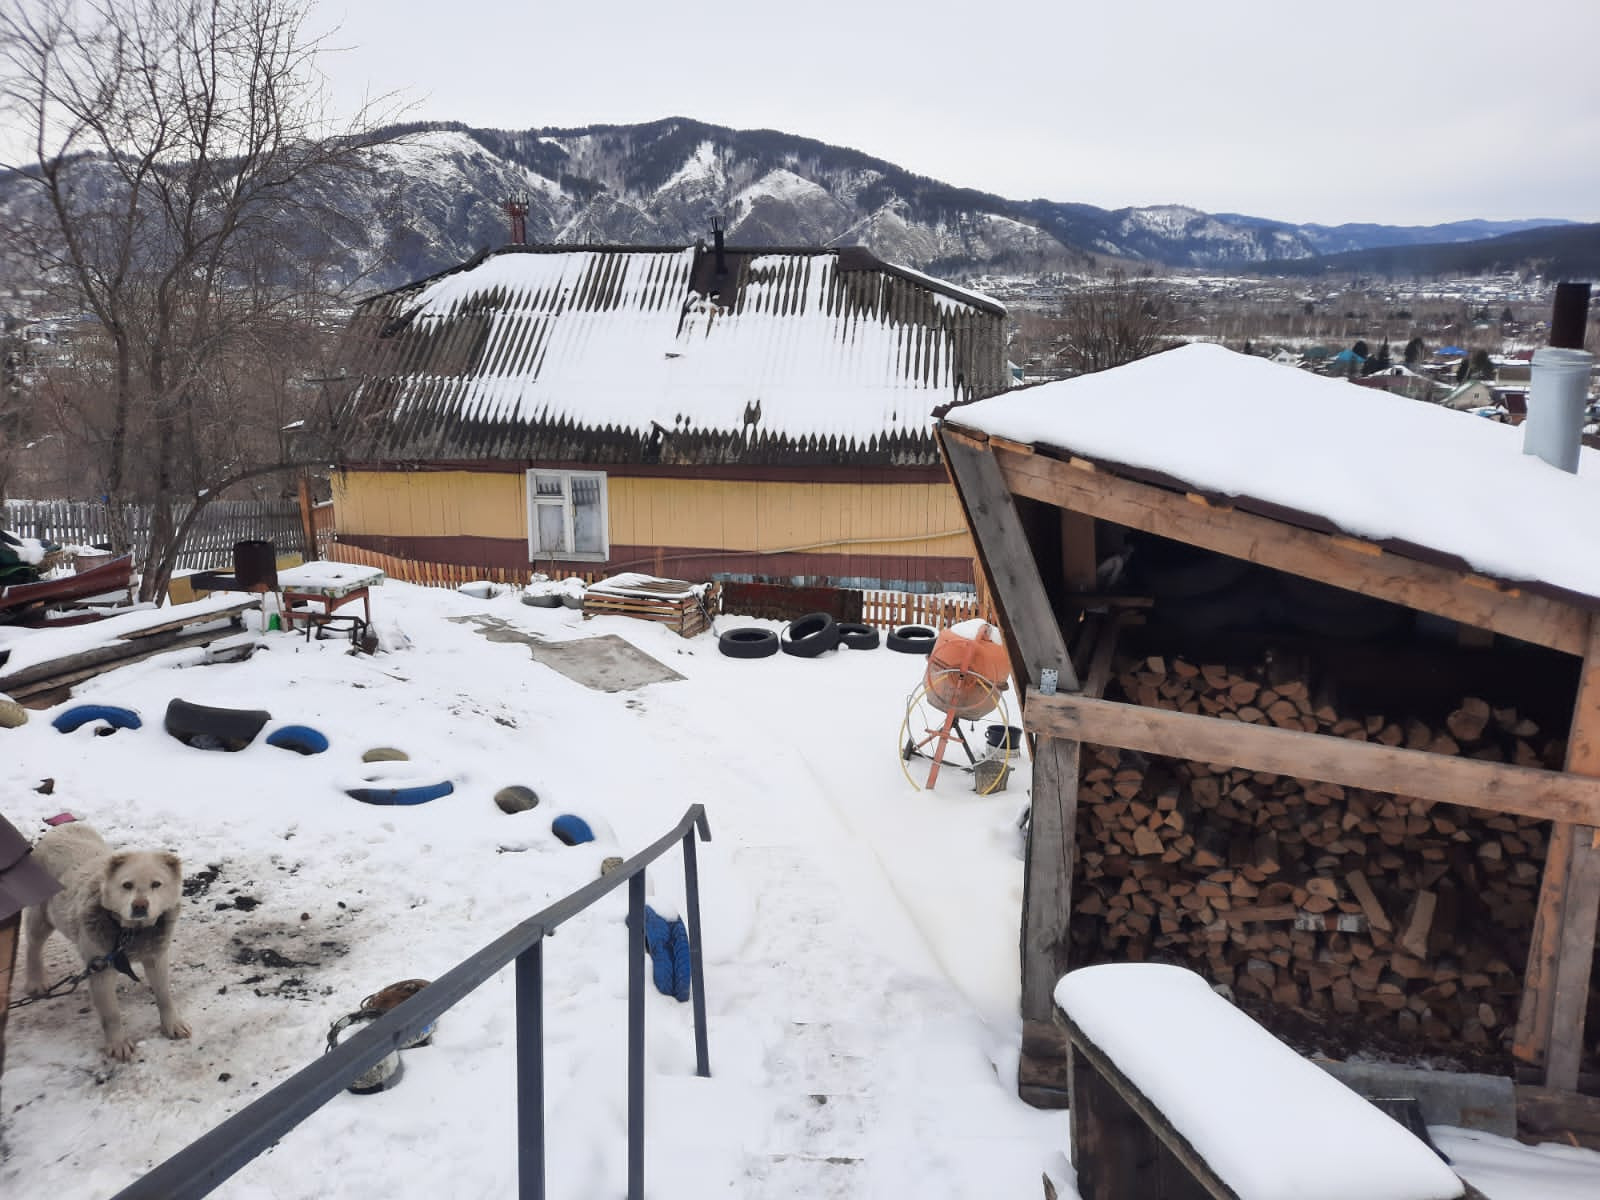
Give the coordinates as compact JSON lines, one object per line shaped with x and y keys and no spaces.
{"x":859,"y":935}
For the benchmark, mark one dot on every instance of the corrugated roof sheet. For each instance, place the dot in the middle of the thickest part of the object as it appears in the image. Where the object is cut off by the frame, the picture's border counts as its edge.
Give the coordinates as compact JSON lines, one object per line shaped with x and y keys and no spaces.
{"x":614,"y":354}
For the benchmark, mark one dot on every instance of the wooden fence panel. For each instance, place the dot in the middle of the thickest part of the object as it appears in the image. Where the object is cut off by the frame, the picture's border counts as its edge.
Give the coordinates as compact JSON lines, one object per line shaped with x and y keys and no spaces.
{"x":209,"y":544}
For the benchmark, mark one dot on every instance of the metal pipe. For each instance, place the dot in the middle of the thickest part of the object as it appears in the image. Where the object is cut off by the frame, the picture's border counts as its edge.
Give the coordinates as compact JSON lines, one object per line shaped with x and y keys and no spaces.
{"x":697,"y":971}
{"x":636,"y":1037}
{"x":1559,"y":389}
{"x":530,"y":1072}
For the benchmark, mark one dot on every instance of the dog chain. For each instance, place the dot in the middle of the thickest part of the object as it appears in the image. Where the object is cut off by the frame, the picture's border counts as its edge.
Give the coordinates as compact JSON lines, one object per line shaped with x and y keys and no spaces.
{"x":68,"y":984}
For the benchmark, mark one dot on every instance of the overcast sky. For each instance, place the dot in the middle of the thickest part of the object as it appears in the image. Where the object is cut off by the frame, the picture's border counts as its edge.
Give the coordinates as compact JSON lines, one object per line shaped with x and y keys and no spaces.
{"x":1393,"y":111}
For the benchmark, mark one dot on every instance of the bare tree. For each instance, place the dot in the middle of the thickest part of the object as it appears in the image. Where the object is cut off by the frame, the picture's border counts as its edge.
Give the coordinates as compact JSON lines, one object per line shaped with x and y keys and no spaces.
{"x":1112,"y":322}
{"x":181,"y":162}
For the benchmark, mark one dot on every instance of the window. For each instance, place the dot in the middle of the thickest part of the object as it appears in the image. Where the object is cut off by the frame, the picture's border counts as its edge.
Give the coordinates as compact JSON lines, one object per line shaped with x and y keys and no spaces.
{"x":567,"y":515}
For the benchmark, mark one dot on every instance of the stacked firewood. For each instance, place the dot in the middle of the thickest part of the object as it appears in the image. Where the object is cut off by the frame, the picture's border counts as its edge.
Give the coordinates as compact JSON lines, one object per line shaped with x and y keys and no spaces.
{"x":1309,"y":895}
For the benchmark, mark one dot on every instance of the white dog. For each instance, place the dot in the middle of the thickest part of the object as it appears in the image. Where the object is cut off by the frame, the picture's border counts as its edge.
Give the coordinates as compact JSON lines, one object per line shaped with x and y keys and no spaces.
{"x":127,"y":901}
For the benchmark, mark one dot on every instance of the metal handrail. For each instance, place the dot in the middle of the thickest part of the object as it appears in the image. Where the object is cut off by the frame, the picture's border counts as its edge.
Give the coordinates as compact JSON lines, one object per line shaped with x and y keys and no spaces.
{"x":206,"y":1163}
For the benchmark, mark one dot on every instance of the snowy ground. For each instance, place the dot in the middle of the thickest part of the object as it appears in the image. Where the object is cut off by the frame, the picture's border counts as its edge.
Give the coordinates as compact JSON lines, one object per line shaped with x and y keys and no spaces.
{"x":860,"y":935}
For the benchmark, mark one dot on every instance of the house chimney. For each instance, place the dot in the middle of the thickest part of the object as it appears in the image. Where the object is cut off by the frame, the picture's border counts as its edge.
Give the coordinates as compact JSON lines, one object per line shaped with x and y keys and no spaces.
{"x":716,"y":242}
{"x":517,"y":209}
{"x":1559,"y":390}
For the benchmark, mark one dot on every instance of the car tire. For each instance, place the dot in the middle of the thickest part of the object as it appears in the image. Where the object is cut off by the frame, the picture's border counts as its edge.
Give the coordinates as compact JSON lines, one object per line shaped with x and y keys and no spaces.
{"x":418,"y":794}
{"x":748,"y":641}
{"x":302,"y":739}
{"x":208,"y":728}
{"x":82,"y":714}
{"x":857,"y":636}
{"x":813,"y":634}
{"x":913,"y":639}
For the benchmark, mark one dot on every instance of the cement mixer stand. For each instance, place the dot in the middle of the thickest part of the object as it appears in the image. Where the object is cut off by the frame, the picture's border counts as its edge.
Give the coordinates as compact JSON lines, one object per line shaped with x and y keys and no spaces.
{"x":950,"y":729}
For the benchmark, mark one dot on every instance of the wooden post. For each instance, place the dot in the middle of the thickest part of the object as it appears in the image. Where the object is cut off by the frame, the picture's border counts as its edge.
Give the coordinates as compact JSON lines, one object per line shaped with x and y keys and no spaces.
{"x":1035,"y":641}
{"x":1555,"y":990}
{"x":1024,"y":606}
{"x":308,"y":520}
{"x":1078,"y":562}
{"x":1047,"y":917}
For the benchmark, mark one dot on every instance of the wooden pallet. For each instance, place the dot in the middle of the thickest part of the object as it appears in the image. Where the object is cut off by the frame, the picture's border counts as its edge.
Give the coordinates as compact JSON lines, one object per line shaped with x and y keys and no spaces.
{"x":663,"y":601}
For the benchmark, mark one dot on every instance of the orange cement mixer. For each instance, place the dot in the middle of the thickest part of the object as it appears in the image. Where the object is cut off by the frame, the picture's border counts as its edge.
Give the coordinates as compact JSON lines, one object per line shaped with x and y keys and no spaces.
{"x":967,"y":670}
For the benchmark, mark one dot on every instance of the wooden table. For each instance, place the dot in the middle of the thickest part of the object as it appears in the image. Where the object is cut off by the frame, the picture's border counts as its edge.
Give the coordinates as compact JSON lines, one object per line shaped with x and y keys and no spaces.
{"x":332,"y":585}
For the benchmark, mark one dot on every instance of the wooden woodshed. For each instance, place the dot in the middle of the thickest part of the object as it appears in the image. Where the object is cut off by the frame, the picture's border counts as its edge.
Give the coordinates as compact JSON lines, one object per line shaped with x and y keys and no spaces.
{"x":1314,"y":677}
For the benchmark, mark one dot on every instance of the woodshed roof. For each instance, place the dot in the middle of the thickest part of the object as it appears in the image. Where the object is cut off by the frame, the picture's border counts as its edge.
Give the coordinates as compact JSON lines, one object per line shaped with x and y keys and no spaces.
{"x":682,"y":354}
{"x":1422,"y":481}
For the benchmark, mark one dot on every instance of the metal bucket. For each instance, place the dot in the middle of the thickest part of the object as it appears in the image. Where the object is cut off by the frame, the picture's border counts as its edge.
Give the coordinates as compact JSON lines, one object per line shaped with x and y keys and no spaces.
{"x":255,"y":566}
{"x":384,"y":1074}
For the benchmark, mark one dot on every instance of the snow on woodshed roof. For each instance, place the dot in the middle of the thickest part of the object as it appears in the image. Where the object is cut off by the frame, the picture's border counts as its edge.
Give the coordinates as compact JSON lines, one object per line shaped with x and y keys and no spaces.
{"x":1368,"y":463}
{"x":533,"y":351}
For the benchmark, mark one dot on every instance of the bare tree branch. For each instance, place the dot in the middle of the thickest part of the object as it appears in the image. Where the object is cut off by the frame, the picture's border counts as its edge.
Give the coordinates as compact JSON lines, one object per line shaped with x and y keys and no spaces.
{"x":181,"y":155}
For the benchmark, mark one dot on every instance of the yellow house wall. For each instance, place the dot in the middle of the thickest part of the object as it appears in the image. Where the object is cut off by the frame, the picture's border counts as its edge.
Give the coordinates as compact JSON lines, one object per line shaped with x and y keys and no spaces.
{"x":909,"y":519}
{"x":431,"y":503}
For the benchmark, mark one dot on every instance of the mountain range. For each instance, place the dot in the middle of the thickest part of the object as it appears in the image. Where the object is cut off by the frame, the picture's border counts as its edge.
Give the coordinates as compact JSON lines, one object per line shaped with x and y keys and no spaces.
{"x":433,"y":195}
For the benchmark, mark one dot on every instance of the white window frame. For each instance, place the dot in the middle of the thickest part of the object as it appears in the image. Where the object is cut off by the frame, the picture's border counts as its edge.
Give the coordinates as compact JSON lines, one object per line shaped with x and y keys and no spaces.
{"x":537,"y":552}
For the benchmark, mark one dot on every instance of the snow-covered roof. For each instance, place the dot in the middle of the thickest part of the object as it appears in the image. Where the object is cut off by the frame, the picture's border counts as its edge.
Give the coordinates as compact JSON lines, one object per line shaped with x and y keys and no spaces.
{"x":1429,"y":481}
{"x":534,"y":351}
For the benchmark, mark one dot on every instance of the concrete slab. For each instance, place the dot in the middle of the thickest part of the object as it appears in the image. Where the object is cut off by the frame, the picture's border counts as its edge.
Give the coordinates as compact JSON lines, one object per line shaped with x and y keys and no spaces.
{"x":606,"y":663}
{"x":1485,"y":1102}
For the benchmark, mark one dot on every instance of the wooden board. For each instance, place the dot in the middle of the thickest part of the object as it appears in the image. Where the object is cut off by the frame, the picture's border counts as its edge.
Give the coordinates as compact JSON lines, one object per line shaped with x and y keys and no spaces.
{"x":1524,"y":791}
{"x":184,"y":620}
{"x":1019,"y":592}
{"x":1555,"y":993}
{"x":1047,"y":879}
{"x":1123,"y":1146}
{"x":1339,"y":561}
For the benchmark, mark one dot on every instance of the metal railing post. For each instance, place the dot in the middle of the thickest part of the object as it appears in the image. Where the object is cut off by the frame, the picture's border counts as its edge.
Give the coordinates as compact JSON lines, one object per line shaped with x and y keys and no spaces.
{"x":697,"y":972}
{"x":636,"y":1037}
{"x":530,"y":1072}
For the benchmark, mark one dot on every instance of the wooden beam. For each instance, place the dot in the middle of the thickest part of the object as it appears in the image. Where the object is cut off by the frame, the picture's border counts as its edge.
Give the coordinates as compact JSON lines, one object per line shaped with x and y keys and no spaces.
{"x":1008,"y":560}
{"x":1078,"y":562}
{"x":1339,"y":561}
{"x":1525,"y":791}
{"x":1555,"y":990}
{"x":1047,"y":879}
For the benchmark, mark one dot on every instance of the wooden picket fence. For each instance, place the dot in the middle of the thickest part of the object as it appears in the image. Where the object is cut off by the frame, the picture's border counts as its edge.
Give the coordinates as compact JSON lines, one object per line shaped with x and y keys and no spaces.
{"x":209,"y":544}
{"x":440,"y":575}
{"x":885,"y":610}
{"x":890,"y":610}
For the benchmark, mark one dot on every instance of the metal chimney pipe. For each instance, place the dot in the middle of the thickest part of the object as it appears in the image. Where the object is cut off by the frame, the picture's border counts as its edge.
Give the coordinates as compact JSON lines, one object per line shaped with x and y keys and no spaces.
{"x":1559,"y":391}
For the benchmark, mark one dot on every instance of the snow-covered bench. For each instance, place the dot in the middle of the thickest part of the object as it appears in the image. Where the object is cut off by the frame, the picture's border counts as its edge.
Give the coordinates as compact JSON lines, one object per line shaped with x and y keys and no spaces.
{"x":1177,"y":1095}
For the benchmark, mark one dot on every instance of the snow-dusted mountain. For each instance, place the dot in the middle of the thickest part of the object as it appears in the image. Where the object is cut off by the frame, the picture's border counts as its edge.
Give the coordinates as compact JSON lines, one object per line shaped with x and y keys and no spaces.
{"x":434,"y":197}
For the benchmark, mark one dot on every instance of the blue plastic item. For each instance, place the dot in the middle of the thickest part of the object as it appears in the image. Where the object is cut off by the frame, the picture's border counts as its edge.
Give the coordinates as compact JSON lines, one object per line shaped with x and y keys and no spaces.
{"x":668,"y":943}
{"x":82,"y":714}
{"x":572,"y":830}
{"x":302,"y":739}
{"x":420,"y":794}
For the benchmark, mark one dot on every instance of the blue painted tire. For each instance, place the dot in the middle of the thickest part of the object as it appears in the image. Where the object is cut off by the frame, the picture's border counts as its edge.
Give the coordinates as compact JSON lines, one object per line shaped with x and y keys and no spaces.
{"x":82,"y":714}
{"x":573,"y":831}
{"x":302,"y":739}
{"x":419,"y":794}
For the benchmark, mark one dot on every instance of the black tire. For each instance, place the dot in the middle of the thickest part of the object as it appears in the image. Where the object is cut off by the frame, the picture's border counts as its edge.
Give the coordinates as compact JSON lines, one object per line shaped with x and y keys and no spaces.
{"x":811,"y":635}
{"x":749,"y":641}
{"x":913,"y":639}
{"x":208,"y":728}
{"x":858,"y":636}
